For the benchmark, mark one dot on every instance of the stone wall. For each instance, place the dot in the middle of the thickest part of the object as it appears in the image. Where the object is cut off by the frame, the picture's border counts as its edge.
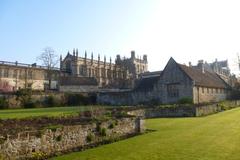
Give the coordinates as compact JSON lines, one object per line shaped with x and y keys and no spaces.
{"x":127,"y":97}
{"x":185,"y":110}
{"x":78,"y":88}
{"x":216,"y":107}
{"x":204,"y":94}
{"x":66,"y":138}
{"x":179,"y":111}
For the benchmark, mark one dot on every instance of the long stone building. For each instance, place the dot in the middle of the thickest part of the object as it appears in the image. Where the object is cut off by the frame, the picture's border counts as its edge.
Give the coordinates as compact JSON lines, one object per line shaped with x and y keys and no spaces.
{"x":14,"y":75}
{"x":174,"y":83}
{"x":119,"y":74}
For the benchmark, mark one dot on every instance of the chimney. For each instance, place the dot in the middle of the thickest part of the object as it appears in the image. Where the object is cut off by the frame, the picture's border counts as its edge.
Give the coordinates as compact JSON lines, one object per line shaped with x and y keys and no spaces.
{"x":201,"y":66}
{"x":203,"y":70}
{"x":190,"y":64}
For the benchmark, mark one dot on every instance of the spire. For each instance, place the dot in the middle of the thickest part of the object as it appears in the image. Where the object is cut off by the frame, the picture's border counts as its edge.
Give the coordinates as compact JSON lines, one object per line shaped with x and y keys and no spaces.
{"x":85,"y":54}
{"x":104,"y":59}
{"x":74,"y":52}
{"x":68,"y":53}
{"x":110,"y":60}
{"x":60,"y":58}
{"x":92,"y":58}
{"x":77,"y":53}
{"x":98,"y":57}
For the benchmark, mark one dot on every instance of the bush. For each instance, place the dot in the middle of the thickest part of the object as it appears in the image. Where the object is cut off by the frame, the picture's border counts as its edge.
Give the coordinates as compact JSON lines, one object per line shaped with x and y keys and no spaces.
{"x":3,"y":103}
{"x":76,"y":99}
{"x":30,"y":104}
{"x":25,"y":98}
{"x":185,"y":100}
{"x":51,"y":101}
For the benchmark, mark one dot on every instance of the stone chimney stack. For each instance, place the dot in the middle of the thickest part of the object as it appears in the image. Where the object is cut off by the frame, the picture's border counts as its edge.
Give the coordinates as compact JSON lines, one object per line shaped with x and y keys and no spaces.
{"x":201,"y":66}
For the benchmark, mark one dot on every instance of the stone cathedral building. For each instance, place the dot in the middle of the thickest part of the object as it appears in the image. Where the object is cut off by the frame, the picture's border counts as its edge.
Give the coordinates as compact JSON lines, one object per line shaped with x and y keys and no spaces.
{"x":120,"y":73}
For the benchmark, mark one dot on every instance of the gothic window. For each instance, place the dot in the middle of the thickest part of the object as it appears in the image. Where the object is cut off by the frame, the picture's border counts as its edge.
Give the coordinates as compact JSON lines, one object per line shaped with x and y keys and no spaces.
{"x":207,"y":90}
{"x":0,"y":72}
{"x":212,"y":90}
{"x":172,"y":90}
{"x":216,"y":90}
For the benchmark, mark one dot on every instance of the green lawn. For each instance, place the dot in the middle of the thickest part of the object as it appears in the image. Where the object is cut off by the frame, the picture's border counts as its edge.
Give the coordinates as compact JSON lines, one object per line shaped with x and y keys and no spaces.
{"x":215,"y":137}
{"x":54,"y":111}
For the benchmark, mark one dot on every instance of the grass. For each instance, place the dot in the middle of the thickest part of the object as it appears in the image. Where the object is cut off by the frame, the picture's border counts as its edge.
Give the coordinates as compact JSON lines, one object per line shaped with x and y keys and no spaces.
{"x":215,"y":137}
{"x":35,"y":112}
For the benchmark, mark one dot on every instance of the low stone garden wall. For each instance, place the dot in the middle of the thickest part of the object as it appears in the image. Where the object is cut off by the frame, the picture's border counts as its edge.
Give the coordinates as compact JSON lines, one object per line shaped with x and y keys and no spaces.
{"x":204,"y":110}
{"x":169,"y":111}
{"x":184,"y":110}
{"x":64,"y":137}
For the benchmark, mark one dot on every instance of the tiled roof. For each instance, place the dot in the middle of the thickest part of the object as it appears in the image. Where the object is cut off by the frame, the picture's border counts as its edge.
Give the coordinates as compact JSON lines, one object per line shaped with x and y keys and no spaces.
{"x":207,"y":79}
{"x":78,"y":81}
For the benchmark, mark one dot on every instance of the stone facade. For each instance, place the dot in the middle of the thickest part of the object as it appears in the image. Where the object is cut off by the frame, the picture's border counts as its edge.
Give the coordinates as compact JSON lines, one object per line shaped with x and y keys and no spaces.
{"x":174,"y":83}
{"x":17,"y":75}
{"x":120,"y":74}
{"x":65,"y":138}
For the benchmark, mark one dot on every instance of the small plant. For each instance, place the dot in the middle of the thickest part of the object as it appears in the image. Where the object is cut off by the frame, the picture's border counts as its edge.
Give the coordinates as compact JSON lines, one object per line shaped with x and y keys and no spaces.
{"x":111,"y":126}
{"x":116,"y":122}
{"x":98,"y":128}
{"x":103,"y":132}
{"x":90,"y":137}
{"x":59,"y":138}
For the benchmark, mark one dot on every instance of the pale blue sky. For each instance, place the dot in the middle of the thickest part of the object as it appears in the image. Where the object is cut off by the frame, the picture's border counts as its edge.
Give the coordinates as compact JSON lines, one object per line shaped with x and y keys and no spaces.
{"x":187,"y":30}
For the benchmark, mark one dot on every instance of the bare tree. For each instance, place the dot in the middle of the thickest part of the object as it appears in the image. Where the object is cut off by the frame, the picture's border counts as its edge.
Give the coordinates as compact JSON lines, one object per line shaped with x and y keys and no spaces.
{"x":49,"y":59}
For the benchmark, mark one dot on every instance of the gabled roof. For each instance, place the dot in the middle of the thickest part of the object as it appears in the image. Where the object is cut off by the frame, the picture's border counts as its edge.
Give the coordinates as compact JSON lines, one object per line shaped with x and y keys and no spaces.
{"x":206,"y":78}
{"x":69,"y":80}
